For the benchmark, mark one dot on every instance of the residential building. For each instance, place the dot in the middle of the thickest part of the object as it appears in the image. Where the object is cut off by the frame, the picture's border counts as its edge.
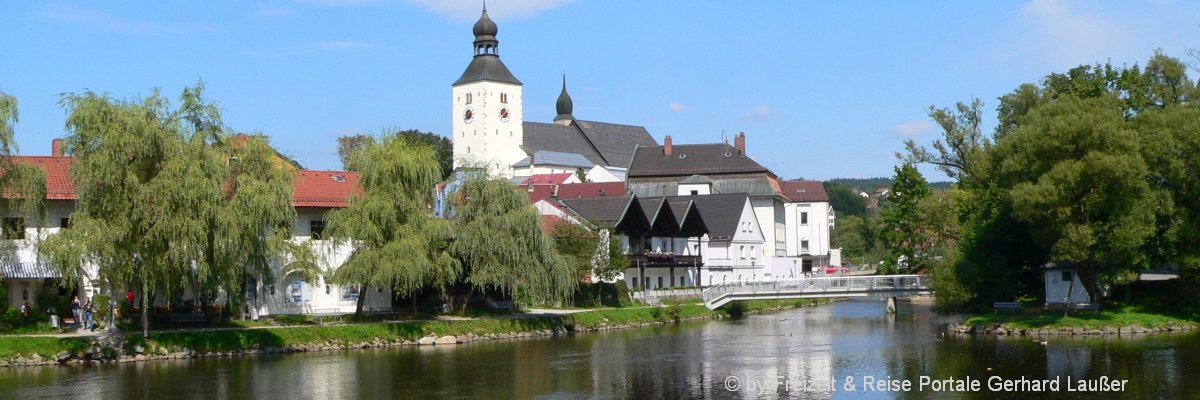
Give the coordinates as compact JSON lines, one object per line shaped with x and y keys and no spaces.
{"x":314,"y":194}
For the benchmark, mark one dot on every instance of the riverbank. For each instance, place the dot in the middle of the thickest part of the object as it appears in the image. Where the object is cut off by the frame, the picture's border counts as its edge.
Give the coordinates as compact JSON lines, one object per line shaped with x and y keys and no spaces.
{"x":232,"y":342}
{"x":1116,"y":321}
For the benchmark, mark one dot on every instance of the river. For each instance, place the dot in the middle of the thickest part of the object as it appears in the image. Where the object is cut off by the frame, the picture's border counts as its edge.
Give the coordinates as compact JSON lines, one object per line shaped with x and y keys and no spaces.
{"x":789,"y":354}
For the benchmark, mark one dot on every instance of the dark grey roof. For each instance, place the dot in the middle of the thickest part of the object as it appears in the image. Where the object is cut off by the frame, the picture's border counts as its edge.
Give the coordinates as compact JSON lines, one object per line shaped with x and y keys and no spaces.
{"x":606,"y":211}
{"x":486,"y":67}
{"x":754,"y":184}
{"x":616,"y":142}
{"x":692,"y":159}
{"x":546,"y":157}
{"x":679,"y":208}
{"x":721,"y":212}
{"x":33,"y":270}
{"x":485,"y":26}
{"x":564,"y":139}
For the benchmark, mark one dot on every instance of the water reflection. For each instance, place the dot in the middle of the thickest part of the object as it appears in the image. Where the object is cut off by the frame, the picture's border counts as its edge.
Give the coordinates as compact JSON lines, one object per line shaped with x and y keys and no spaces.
{"x":771,"y":356}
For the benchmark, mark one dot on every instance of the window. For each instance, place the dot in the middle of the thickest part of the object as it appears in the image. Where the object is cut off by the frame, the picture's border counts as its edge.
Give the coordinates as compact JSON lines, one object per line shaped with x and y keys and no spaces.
{"x":804,"y":218}
{"x":1066,"y":276}
{"x":64,"y":223}
{"x":695,"y":192}
{"x":806,"y":265}
{"x":804,"y":245}
{"x":753,"y":254}
{"x":635,"y":282}
{"x":349,"y":293}
{"x":742,"y":250}
{"x":504,"y":97}
{"x":660,"y":282}
{"x":681,"y":281}
{"x":14,"y":228}
{"x":316,"y":229}
{"x":468,"y":98}
{"x":295,"y":290}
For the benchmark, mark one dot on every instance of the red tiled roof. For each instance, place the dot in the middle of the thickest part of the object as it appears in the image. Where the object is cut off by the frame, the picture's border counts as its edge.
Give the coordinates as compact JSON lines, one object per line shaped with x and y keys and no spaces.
{"x":311,"y":188}
{"x":324,"y":188}
{"x":539,"y":192}
{"x":548,"y":179}
{"x":589,"y":190}
{"x":548,"y":222}
{"x":58,"y":175}
{"x":804,"y":191}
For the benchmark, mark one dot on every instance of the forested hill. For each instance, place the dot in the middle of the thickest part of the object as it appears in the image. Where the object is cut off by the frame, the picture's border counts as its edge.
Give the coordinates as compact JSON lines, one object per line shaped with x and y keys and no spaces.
{"x":870,"y":184}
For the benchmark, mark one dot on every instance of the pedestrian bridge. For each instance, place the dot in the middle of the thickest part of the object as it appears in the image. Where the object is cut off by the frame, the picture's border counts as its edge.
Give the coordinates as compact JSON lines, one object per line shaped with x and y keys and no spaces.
{"x":884,"y":286}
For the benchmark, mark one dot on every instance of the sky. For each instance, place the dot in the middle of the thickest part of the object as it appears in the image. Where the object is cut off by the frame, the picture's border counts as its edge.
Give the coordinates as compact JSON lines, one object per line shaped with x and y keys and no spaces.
{"x":822,"y":89}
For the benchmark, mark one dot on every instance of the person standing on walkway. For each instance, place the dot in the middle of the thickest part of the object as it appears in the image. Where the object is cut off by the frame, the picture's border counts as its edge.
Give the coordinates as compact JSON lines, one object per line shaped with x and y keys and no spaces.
{"x":88,"y":312}
{"x":75,"y":310}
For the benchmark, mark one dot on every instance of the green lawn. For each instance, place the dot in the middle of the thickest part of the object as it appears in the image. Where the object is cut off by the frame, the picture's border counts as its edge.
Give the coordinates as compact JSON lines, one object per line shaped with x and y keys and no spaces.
{"x":1119,"y":316}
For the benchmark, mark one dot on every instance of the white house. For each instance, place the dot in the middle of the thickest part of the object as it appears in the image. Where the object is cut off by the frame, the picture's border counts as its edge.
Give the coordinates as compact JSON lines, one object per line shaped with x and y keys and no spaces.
{"x":315,"y":193}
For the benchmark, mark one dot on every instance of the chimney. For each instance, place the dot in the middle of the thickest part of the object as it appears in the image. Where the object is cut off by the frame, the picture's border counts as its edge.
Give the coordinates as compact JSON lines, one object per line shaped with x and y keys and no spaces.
{"x":739,"y":142}
{"x":667,"y":146}
{"x":56,"y":147}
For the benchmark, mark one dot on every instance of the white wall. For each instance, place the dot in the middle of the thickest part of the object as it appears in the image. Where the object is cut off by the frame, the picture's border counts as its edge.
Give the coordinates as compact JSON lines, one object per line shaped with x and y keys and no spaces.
{"x":488,"y":139}
{"x":769,"y":211}
{"x":1056,"y":287}
{"x":700,"y":188}
{"x":816,"y":231}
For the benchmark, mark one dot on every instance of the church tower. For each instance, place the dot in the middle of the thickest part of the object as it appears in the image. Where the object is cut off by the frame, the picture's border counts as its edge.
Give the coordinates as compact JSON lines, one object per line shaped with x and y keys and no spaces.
{"x":487,"y":113}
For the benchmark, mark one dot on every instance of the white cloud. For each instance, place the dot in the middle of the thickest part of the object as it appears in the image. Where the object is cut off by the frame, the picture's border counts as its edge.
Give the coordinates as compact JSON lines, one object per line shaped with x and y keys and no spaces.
{"x":676,"y":107}
{"x":911,"y":129}
{"x":759,"y":113}
{"x":105,"y":21}
{"x":470,"y":9}
{"x":1068,"y":36}
{"x":319,"y":47}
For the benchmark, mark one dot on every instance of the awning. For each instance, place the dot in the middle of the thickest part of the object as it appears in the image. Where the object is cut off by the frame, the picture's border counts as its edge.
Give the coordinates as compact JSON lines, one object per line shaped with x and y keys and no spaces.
{"x":31,"y":270}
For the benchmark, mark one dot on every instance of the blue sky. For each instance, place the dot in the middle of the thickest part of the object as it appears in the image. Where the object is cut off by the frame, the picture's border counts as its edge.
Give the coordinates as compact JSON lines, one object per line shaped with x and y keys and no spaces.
{"x":821,"y":89}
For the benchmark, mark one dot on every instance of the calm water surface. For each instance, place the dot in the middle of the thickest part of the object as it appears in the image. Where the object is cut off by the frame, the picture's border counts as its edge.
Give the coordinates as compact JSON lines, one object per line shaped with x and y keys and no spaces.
{"x":790,"y":354}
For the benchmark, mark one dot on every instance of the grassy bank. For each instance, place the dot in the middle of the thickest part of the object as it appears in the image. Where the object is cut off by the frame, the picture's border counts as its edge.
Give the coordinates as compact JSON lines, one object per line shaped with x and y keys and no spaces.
{"x":1114,"y":317}
{"x":356,"y":334}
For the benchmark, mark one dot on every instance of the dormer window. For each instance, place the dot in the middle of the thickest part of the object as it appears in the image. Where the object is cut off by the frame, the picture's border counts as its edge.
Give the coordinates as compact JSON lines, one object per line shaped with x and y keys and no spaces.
{"x":339,"y":178}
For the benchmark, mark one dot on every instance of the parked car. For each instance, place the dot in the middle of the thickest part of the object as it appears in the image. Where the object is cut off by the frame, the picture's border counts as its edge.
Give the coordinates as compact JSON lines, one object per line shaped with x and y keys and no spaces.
{"x":834,"y":269}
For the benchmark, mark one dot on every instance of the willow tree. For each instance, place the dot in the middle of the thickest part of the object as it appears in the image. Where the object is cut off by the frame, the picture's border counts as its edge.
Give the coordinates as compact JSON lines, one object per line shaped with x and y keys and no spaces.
{"x":498,"y":240}
{"x":24,"y":186}
{"x":252,"y":228}
{"x":159,"y":207}
{"x":399,"y":245}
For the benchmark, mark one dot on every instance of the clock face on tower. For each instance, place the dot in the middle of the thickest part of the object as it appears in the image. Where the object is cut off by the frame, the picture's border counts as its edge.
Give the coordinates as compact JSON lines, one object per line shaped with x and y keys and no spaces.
{"x":503,"y":115}
{"x":469,"y":115}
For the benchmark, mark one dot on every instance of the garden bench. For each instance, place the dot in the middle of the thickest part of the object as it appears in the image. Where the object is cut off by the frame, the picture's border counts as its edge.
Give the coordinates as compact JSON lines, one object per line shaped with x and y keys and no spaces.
{"x":179,"y":318}
{"x":1013,"y":306}
{"x":321,"y":313}
{"x":1094,"y":308}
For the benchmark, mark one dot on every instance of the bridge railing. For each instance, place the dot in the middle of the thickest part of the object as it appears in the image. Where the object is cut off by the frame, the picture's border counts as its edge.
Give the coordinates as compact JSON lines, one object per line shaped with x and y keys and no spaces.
{"x":869,"y":283}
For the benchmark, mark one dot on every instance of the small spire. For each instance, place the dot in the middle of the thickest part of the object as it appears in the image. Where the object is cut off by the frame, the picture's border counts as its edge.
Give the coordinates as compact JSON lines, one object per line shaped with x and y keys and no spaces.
{"x":484,"y":5}
{"x":564,"y":105}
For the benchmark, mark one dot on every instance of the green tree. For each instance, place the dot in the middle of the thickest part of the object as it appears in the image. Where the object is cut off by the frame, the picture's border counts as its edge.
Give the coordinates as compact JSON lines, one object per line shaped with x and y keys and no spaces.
{"x":399,"y":245}
{"x":1076,"y":175}
{"x":442,"y":147}
{"x":901,"y":226}
{"x":348,"y":145}
{"x":850,"y":234}
{"x":26,"y":183}
{"x":593,"y":254}
{"x":844,"y":201}
{"x":156,"y":208}
{"x":501,"y":247}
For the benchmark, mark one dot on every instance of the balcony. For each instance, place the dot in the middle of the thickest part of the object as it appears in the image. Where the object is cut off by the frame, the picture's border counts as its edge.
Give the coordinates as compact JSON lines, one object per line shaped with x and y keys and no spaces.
{"x":664,"y":259}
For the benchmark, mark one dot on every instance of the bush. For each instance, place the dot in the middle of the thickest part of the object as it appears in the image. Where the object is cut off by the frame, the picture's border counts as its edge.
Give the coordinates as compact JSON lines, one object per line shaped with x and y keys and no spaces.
{"x":101,"y":304}
{"x":601,"y":294}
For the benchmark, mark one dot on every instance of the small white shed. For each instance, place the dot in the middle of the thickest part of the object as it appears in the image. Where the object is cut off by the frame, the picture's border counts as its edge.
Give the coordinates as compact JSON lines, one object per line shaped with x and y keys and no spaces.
{"x":1059,"y":281}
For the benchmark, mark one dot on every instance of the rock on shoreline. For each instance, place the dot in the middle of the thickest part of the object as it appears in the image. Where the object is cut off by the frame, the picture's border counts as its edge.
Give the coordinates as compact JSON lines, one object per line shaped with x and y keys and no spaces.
{"x":1008,"y":330}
